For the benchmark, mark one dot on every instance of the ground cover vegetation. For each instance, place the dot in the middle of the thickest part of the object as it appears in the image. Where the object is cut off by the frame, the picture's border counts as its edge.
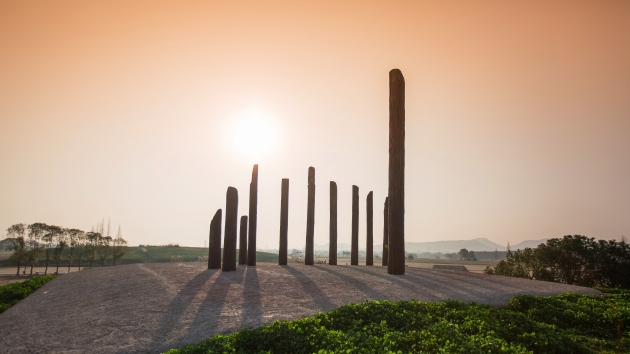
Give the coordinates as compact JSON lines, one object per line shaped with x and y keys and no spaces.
{"x":569,"y":323}
{"x":54,"y":245}
{"x":11,"y":294}
{"x":573,"y":259}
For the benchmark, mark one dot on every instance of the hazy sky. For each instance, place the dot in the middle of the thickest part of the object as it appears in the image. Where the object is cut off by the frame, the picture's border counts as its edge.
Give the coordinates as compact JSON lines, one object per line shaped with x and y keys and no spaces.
{"x":517,"y":115}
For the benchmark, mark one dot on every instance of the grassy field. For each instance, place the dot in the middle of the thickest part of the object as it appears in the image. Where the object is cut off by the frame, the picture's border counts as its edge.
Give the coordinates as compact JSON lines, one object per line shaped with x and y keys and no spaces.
{"x":156,"y":254}
{"x":191,"y":254}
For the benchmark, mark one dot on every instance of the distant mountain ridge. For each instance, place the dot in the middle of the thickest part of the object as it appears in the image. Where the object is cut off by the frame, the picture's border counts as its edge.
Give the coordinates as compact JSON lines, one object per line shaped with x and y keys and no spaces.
{"x":477,"y":244}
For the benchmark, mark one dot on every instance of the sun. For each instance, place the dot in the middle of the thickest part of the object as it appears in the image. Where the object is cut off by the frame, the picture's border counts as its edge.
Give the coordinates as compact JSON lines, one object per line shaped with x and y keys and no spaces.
{"x":254,"y":134}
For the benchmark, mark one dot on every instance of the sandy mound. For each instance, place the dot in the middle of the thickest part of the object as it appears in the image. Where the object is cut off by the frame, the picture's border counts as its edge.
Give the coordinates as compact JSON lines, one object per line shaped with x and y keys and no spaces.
{"x":155,"y":307}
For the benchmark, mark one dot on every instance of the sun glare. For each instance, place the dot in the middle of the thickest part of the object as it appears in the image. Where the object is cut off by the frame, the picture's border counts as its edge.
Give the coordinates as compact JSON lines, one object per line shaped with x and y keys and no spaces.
{"x":254,"y":135}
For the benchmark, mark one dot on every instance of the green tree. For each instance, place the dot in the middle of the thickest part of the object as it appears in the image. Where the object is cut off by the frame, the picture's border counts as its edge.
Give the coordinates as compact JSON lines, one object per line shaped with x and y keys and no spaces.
{"x":520,"y":264}
{"x":104,"y":248}
{"x":18,"y":245}
{"x":73,"y":239}
{"x":119,"y":248}
{"x":60,"y":245}
{"x":92,"y":239}
{"x":34,"y":243}
{"x":50,"y":236}
{"x":80,"y":244}
{"x":573,"y":259}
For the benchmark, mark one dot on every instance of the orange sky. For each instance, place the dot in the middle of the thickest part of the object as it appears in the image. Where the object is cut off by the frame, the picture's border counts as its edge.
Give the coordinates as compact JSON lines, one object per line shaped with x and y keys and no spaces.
{"x":518,"y":114}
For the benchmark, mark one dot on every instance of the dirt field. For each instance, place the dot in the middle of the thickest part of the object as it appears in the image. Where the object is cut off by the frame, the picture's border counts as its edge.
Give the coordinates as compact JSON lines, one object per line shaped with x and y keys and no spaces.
{"x":154,"y":307}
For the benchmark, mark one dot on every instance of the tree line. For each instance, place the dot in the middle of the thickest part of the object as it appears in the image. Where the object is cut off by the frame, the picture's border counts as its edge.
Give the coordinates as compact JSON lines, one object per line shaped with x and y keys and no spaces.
{"x":573,"y":259}
{"x":55,"y":243}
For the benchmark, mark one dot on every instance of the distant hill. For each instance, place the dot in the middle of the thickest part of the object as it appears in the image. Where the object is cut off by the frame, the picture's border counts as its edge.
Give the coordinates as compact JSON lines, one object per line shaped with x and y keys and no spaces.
{"x":528,"y":244}
{"x":477,"y":245}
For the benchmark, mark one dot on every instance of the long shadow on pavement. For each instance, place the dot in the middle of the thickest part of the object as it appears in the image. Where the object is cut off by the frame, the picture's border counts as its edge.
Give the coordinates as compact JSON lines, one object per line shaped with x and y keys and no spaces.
{"x":208,"y":317}
{"x":364,"y":288}
{"x":251,"y":308}
{"x":178,"y":307}
{"x":319,"y":298}
{"x":438,"y":291}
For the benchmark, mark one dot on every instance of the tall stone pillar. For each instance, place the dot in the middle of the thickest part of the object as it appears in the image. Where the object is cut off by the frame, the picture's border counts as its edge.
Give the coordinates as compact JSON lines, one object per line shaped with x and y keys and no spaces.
{"x":253,"y":217}
{"x":385,"y":234}
{"x":369,"y":243}
{"x":332,"y":244}
{"x":231,"y":225}
{"x":354,"y":247}
{"x":284,"y":222}
{"x":242,"y":242}
{"x":396,"y":189}
{"x":214,"y":247}
{"x":310,"y":218}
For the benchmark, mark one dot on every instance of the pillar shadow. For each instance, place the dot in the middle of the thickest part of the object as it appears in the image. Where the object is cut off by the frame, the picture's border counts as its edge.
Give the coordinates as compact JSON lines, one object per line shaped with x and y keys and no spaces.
{"x":251,"y":310}
{"x":470,"y":294}
{"x":364,"y":288}
{"x":178,"y":306}
{"x":437,"y":291}
{"x":466,"y":278}
{"x":319,"y":298}
{"x":208,"y":317}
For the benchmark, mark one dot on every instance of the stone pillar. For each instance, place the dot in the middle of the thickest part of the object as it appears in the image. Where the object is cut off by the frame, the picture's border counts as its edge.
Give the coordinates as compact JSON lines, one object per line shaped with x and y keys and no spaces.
{"x":214,"y":247}
{"x":242,"y":242}
{"x":310,"y":218}
{"x":396,"y":188}
{"x":253,"y":217}
{"x":385,"y":234}
{"x":354,"y":247}
{"x":284,"y":222}
{"x":231,"y":225}
{"x":369,"y":243}
{"x":332,"y":244}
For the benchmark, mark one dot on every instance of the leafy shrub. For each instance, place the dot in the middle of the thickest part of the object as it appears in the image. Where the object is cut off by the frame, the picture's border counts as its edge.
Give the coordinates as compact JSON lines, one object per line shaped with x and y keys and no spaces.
{"x":11,"y":294}
{"x":569,"y":323}
{"x":573,"y":259}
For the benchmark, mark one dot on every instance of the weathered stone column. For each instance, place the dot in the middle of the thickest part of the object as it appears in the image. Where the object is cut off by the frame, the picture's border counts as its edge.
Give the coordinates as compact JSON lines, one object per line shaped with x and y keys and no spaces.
{"x":385,"y":234}
{"x":354,"y":247}
{"x":214,"y":248}
{"x":242,"y":245}
{"x":284,"y":222}
{"x":231,"y":225}
{"x":396,"y":189}
{"x":332,"y":244}
{"x":253,"y":217}
{"x":369,"y":217}
{"x":310,"y":218}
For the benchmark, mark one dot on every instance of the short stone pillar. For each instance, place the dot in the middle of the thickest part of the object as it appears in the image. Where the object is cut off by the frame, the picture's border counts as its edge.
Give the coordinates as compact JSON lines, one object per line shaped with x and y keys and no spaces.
{"x":310,"y":218}
{"x":284,"y":222}
{"x":242,"y":242}
{"x":214,"y":247}
{"x":231,"y":225}
{"x":369,"y":242}
{"x":354,"y":243}
{"x":253,"y":217}
{"x":332,"y":244}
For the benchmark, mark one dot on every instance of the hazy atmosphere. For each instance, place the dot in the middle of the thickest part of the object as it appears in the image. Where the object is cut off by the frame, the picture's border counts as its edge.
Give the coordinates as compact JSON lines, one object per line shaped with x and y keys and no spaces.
{"x":517,"y":115}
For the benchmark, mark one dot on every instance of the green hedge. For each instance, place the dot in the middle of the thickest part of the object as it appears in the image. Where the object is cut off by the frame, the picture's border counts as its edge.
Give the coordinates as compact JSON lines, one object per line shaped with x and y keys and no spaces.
{"x":11,"y":294}
{"x":568,"y":323}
